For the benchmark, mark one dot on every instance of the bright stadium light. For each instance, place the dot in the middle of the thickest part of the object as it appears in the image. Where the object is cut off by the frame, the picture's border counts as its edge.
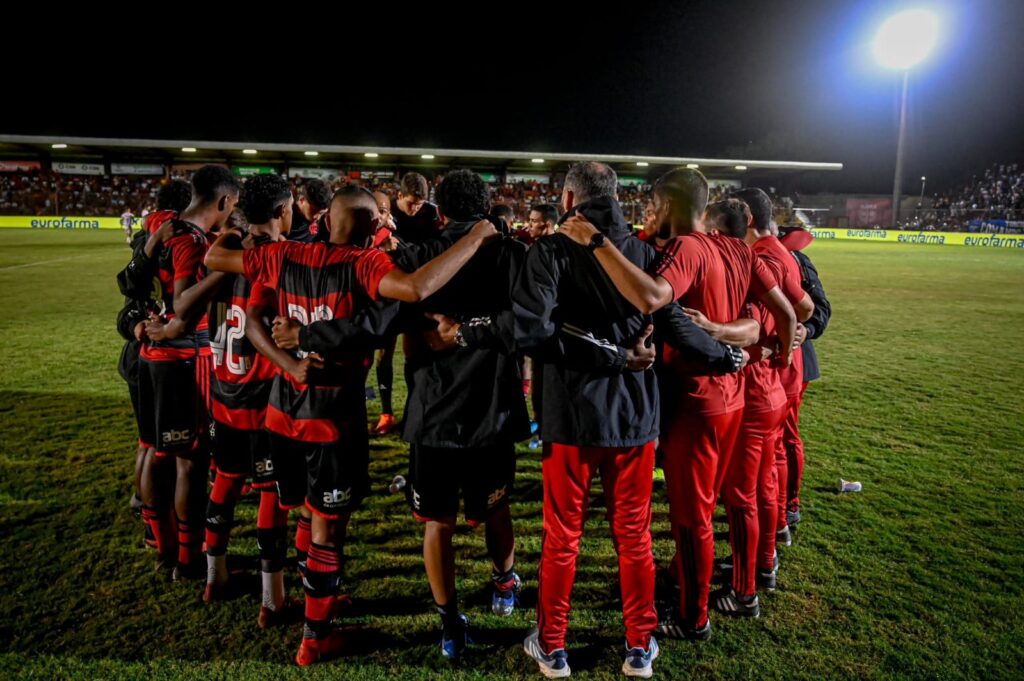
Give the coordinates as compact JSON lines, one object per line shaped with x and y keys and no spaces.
{"x":741,"y":167}
{"x":427,"y":157}
{"x":311,"y":153}
{"x":58,"y":146}
{"x":905,"y":39}
{"x":536,"y":160}
{"x":250,"y":152}
{"x":693,"y":166}
{"x":370,"y":154}
{"x":189,"y":150}
{"x":642,"y":164}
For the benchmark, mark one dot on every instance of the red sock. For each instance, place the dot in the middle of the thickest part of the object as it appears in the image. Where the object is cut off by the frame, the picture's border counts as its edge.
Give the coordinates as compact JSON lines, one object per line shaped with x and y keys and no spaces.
{"x":303,"y":538}
{"x":271,"y":532}
{"x":271,"y":514}
{"x":323,"y":570}
{"x":164,"y":532}
{"x":190,"y":544}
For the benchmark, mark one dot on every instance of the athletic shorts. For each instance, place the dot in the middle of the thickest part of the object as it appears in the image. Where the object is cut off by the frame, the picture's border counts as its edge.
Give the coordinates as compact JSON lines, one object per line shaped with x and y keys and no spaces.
{"x":169,"y":406}
{"x":481,"y":477}
{"x":331,"y":478}
{"x":242,"y":454}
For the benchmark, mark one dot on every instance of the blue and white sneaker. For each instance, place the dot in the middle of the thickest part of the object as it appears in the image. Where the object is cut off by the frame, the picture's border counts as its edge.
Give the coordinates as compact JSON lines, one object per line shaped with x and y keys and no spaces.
{"x":553,"y":665}
{"x":506,"y":596}
{"x":454,"y":647}
{"x":639,"y":662}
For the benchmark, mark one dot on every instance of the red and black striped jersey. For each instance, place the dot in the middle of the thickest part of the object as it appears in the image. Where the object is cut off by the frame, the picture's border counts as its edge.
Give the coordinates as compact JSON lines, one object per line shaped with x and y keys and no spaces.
{"x":181,"y":257}
{"x":240,"y":385}
{"x":317,"y":282}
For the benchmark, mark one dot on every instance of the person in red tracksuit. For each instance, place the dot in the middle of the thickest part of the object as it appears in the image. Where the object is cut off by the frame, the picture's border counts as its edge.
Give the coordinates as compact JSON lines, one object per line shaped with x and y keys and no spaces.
{"x":712,"y":274}
{"x":795,"y":240}
{"x":593,"y":420}
{"x":749,"y":488}
{"x":790,"y":450}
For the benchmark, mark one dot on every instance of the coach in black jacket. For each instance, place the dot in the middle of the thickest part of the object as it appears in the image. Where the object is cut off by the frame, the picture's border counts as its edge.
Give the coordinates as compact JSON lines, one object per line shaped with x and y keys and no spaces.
{"x":815,"y":326}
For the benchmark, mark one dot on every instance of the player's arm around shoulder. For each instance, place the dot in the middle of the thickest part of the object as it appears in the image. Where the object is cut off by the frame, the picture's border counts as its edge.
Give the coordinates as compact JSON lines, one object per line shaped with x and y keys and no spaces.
{"x":426,"y":280}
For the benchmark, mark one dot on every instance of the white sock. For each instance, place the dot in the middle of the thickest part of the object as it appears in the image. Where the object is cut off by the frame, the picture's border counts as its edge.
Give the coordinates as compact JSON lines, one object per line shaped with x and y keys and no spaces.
{"x":273,"y":589}
{"x":216,"y":569}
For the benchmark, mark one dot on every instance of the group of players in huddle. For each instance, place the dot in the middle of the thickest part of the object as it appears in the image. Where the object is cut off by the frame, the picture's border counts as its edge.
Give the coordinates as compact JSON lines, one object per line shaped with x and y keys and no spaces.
{"x":252,"y":316}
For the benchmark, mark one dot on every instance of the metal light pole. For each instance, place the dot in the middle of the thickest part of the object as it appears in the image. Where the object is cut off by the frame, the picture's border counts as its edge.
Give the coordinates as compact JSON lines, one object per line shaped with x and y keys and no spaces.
{"x":920,"y":202}
{"x":897,"y":183}
{"x":902,"y":42}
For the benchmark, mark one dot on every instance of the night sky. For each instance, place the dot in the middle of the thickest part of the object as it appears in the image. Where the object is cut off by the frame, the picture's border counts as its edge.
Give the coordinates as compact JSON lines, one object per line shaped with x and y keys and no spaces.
{"x":773,"y":80}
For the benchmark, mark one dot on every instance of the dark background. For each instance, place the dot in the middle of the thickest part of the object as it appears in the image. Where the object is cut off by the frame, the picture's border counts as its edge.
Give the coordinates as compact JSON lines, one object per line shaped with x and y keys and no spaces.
{"x":770,"y":80}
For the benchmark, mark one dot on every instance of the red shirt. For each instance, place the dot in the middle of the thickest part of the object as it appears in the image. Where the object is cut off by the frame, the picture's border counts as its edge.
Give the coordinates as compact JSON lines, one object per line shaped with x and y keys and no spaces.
{"x":152,"y":222}
{"x":713,"y":274}
{"x":762,"y":389}
{"x":788,"y":273}
{"x":317,"y":282}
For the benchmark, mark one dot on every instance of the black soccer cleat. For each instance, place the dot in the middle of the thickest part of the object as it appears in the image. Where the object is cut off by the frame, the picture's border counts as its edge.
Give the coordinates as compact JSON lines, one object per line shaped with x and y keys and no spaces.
{"x":728,"y":602}
{"x":672,"y":626}
{"x":767,"y":579}
{"x":784,"y":537}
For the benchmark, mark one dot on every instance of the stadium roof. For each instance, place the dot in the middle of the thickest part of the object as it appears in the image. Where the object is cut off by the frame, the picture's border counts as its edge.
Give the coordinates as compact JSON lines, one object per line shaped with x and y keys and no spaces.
{"x":174,"y":151}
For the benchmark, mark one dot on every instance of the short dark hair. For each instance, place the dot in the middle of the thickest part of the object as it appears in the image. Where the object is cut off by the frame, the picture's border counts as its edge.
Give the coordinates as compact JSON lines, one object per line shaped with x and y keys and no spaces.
{"x":175,"y":195}
{"x":354,"y":194}
{"x":505,"y":212}
{"x":685,"y":186}
{"x":591,"y":180}
{"x":261,"y":195}
{"x":760,"y":206}
{"x":317,"y":192}
{"x":414,"y":184}
{"x":547,"y":211}
{"x":212,"y":181}
{"x":463,"y":195}
{"x":730,"y":216}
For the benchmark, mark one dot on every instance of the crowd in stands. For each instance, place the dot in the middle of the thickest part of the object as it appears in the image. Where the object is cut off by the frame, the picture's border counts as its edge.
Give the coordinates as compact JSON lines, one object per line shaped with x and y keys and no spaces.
{"x":47,"y":192}
{"x":995,"y":195}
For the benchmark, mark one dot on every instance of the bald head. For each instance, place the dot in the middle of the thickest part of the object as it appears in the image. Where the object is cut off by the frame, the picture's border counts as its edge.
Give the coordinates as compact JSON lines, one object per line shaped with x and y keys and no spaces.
{"x":353,"y":215}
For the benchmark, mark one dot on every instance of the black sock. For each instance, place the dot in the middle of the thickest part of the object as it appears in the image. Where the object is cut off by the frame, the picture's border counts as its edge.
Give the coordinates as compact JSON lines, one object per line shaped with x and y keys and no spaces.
{"x":505,"y":579}
{"x":450,"y":619}
{"x":385,"y":377}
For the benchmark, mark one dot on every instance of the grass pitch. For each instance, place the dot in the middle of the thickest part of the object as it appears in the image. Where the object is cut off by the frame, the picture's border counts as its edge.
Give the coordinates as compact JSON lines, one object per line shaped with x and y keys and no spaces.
{"x":919,"y":576}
